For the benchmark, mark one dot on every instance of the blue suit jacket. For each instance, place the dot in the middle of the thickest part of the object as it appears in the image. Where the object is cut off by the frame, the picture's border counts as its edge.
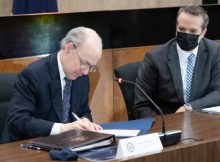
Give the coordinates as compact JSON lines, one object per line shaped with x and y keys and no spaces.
{"x":37,"y":100}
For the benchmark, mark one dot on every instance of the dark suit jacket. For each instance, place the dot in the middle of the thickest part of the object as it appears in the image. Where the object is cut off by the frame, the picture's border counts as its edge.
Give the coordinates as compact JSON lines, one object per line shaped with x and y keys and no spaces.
{"x":37,"y":100}
{"x":160,"y":77}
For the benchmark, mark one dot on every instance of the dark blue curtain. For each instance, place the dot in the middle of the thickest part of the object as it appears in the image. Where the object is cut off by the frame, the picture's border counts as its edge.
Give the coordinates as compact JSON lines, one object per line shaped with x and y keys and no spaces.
{"x":34,"y":6}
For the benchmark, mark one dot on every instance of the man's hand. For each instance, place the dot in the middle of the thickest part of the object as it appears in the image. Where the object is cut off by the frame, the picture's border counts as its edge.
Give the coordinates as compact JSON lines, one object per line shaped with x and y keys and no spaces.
{"x":181,"y":109}
{"x":83,"y":124}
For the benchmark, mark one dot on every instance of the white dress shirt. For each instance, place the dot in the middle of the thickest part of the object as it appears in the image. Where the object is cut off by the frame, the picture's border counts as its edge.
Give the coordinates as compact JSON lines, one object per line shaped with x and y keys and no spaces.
{"x":56,"y":127}
{"x":183,"y":59}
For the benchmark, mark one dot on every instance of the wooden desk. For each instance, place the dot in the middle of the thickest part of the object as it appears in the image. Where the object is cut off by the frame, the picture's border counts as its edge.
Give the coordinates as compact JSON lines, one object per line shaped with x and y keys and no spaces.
{"x":201,"y":133}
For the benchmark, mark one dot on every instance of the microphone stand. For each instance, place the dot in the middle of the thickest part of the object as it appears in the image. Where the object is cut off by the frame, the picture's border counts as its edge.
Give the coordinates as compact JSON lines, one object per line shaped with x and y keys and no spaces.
{"x":167,"y":137}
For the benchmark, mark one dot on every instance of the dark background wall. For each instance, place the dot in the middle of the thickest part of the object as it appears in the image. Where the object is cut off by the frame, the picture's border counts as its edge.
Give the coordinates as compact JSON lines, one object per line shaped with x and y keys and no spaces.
{"x":33,"y":35}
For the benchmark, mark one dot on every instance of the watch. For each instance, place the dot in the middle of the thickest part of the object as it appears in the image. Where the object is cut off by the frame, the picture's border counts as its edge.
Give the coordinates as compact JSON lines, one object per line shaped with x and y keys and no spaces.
{"x":188,"y":107}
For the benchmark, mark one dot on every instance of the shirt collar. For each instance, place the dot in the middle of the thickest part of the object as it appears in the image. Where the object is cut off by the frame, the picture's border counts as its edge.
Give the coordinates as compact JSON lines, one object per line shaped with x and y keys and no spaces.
{"x":60,"y":66}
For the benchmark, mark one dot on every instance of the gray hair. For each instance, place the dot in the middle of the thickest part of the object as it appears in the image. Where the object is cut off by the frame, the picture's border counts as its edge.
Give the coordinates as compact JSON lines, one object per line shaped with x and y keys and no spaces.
{"x":195,"y":10}
{"x":77,"y":36}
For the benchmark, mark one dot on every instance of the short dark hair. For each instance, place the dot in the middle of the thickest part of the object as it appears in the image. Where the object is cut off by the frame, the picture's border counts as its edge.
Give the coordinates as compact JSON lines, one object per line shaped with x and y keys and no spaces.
{"x":195,"y":10}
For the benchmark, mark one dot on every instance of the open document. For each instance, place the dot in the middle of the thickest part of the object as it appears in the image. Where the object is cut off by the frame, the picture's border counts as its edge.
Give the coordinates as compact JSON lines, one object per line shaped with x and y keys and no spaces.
{"x":129,"y":128}
{"x":121,"y":132}
{"x":212,"y":110}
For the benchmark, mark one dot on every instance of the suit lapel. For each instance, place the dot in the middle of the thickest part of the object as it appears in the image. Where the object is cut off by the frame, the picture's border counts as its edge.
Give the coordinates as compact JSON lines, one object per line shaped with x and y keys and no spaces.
{"x":174,"y":66}
{"x":198,"y":69}
{"x":55,"y":86}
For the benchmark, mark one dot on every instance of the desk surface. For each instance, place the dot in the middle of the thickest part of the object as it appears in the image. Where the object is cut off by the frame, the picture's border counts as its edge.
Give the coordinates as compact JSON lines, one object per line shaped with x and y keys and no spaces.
{"x":200,"y":142}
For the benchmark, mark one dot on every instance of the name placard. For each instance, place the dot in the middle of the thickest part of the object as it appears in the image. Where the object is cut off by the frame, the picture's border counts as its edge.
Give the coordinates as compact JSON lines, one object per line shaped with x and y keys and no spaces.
{"x":136,"y":146}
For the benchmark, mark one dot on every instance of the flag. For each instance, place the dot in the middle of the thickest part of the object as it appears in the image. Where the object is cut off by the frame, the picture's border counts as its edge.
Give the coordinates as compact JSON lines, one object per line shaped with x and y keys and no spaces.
{"x":34,"y":6}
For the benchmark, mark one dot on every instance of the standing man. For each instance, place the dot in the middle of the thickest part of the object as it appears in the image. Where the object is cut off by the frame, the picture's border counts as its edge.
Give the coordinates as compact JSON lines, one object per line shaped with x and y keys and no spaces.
{"x":184,"y":73}
{"x":49,"y":91}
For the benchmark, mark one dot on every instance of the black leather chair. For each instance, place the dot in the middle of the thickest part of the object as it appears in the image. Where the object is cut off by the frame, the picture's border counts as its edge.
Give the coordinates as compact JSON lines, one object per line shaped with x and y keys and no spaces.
{"x":6,"y":89}
{"x":128,"y":72}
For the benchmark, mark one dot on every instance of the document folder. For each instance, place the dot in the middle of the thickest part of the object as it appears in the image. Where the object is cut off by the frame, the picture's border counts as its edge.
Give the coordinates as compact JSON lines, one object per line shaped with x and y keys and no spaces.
{"x":143,"y":125}
{"x":75,"y":140}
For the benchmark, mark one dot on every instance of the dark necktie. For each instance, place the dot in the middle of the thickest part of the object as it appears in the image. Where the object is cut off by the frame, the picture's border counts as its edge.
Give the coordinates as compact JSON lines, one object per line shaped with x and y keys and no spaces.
{"x":189,"y":74}
{"x":66,"y":100}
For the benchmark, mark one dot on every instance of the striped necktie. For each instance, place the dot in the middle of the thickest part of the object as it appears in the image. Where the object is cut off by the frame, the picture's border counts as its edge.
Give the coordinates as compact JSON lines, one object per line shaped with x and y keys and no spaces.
{"x":66,"y":100}
{"x":189,"y":74}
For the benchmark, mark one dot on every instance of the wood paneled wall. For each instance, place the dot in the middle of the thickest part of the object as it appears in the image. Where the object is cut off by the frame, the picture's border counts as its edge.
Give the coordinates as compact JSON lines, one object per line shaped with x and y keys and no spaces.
{"x":101,"y":5}
{"x":101,"y":90}
{"x":5,"y":7}
{"x":123,"y":56}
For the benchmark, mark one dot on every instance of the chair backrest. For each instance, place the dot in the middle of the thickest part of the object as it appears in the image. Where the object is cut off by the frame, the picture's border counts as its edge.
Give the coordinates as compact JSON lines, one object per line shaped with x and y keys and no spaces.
{"x":6,"y":90}
{"x":128,"y":72}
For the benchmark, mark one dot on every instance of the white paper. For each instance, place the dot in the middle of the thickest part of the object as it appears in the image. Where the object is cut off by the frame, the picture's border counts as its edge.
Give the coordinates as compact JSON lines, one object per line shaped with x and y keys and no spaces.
{"x":121,"y":132}
{"x":213,"y":110}
{"x":138,"y":146}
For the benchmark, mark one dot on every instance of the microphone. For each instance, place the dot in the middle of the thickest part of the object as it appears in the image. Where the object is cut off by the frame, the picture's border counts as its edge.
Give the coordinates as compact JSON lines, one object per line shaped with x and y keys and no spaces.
{"x":167,"y":137}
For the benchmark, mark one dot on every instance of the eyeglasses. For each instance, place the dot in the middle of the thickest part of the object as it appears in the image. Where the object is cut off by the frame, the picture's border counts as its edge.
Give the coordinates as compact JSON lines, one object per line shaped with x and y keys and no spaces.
{"x":84,"y":64}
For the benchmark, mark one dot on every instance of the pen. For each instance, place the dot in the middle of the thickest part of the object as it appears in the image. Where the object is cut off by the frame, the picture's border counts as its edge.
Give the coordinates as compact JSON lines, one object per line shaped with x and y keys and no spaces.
{"x":75,"y":116}
{"x":30,"y":146}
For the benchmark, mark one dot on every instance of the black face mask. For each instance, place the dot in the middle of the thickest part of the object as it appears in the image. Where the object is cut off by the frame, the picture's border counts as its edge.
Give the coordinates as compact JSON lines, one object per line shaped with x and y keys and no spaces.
{"x":187,"y":42}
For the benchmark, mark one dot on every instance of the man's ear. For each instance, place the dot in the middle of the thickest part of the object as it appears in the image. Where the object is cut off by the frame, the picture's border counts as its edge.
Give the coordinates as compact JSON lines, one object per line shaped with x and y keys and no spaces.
{"x":68,"y":47}
{"x":204,"y":32}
